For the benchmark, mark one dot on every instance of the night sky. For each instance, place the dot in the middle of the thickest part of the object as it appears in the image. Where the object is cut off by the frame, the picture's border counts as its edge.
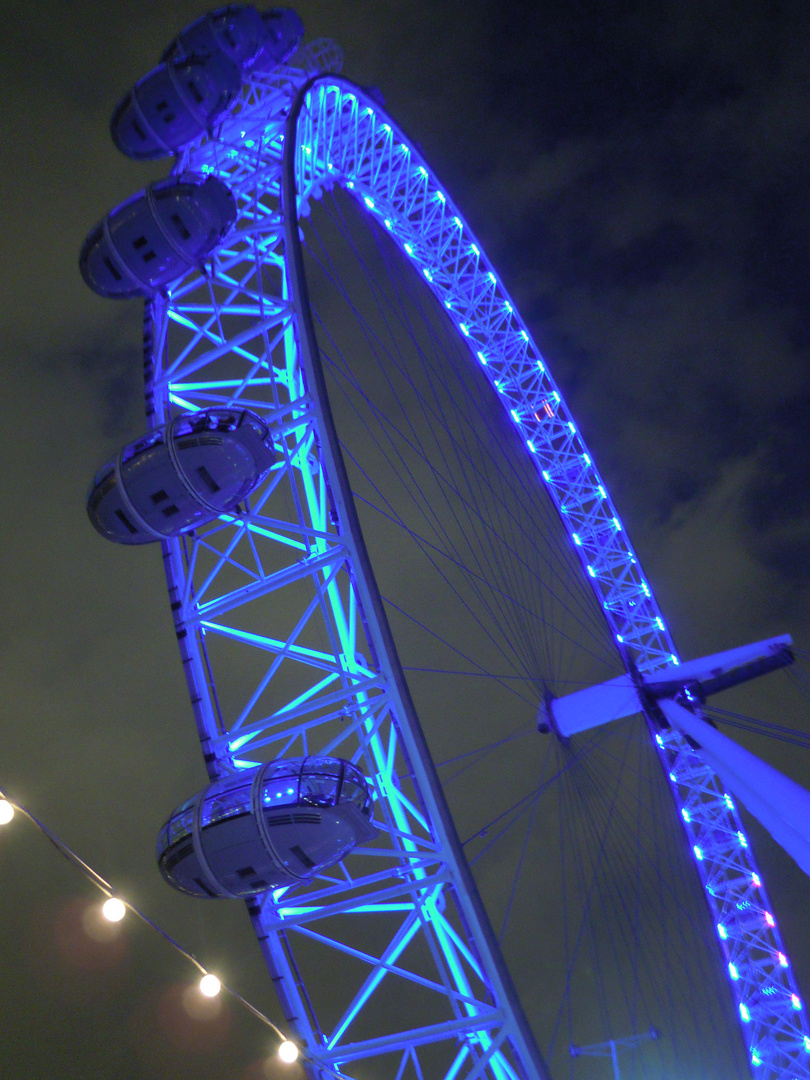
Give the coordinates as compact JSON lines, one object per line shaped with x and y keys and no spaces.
{"x":638,"y":174}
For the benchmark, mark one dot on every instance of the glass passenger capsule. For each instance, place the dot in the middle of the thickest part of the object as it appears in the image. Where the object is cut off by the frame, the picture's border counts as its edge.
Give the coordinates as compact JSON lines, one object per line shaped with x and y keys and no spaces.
{"x":276,"y":825}
{"x":285,"y":30}
{"x":238,"y":31}
{"x":180,"y":475}
{"x":156,"y":236}
{"x":244,"y":35}
{"x":174,"y":104}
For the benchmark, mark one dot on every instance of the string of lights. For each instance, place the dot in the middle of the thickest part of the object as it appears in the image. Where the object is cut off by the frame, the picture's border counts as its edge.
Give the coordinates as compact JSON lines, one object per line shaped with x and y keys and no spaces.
{"x":114,"y":909}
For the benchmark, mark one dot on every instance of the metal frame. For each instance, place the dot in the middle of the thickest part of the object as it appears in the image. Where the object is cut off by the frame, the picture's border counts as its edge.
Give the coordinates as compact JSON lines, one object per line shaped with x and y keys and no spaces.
{"x":237,"y":333}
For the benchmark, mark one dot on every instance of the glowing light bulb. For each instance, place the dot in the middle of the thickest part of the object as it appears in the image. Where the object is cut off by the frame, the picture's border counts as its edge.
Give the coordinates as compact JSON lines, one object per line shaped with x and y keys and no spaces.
{"x":288,"y":1052}
{"x":210,"y":985}
{"x":6,"y":811}
{"x":113,"y":909}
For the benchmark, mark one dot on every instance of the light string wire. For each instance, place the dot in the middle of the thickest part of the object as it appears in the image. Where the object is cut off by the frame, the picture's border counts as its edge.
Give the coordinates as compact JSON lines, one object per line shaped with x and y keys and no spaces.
{"x":105,"y":887}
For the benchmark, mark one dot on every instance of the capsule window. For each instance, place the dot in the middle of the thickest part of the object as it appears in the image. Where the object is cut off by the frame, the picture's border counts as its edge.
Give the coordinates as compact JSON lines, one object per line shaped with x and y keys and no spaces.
{"x":166,"y":115}
{"x":323,"y":766}
{"x":351,"y":772}
{"x":112,"y":267}
{"x":180,"y":825}
{"x":195,"y":93}
{"x":225,"y":804}
{"x":136,"y":127}
{"x":170,"y":511}
{"x":122,"y":517}
{"x":102,"y":485}
{"x":162,"y":107}
{"x":296,"y":849}
{"x":208,"y":479}
{"x":177,"y":855}
{"x":205,"y":888}
{"x":142,"y":242}
{"x":354,"y":794}
{"x":159,"y":496}
{"x":180,"y":226}
{"x":319,"y":790}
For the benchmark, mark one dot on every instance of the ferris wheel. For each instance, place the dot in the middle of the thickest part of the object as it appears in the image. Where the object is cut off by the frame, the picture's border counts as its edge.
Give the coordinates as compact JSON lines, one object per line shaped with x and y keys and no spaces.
{"x":391,"y":560}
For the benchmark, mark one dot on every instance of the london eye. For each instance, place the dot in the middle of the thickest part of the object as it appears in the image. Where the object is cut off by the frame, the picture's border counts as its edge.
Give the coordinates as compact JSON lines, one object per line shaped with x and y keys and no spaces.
{"x":390,"y":555}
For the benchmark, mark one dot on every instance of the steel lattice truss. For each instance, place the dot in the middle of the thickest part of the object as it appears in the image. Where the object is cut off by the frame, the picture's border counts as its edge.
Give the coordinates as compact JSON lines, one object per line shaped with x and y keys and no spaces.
{"x":286,"y":651}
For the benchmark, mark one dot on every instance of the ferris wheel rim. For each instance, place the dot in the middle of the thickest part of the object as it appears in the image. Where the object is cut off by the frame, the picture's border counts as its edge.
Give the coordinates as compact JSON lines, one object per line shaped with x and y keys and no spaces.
{"x":313,"y":368}
{"x":633,"y":663}
{"x":374,"y":105}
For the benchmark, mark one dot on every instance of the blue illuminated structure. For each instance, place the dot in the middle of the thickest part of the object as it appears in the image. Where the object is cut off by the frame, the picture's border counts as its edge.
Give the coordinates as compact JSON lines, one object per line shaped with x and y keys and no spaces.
{"x":238,"y":330}
{"x":418,"y":214}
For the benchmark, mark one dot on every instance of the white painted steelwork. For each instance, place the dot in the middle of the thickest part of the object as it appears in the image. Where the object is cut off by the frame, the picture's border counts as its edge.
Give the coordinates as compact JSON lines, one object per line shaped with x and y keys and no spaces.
{"x":324,"y":681}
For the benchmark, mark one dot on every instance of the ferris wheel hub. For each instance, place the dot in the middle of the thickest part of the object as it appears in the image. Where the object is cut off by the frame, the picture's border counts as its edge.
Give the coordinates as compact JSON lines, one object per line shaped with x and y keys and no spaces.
{"x":628,"y":693}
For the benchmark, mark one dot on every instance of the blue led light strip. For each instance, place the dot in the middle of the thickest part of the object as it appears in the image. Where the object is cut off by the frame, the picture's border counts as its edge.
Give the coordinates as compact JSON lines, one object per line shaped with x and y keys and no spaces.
{"x":228,"y":335}
{"x":324,"y":684}
{"x":429,"y":229}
